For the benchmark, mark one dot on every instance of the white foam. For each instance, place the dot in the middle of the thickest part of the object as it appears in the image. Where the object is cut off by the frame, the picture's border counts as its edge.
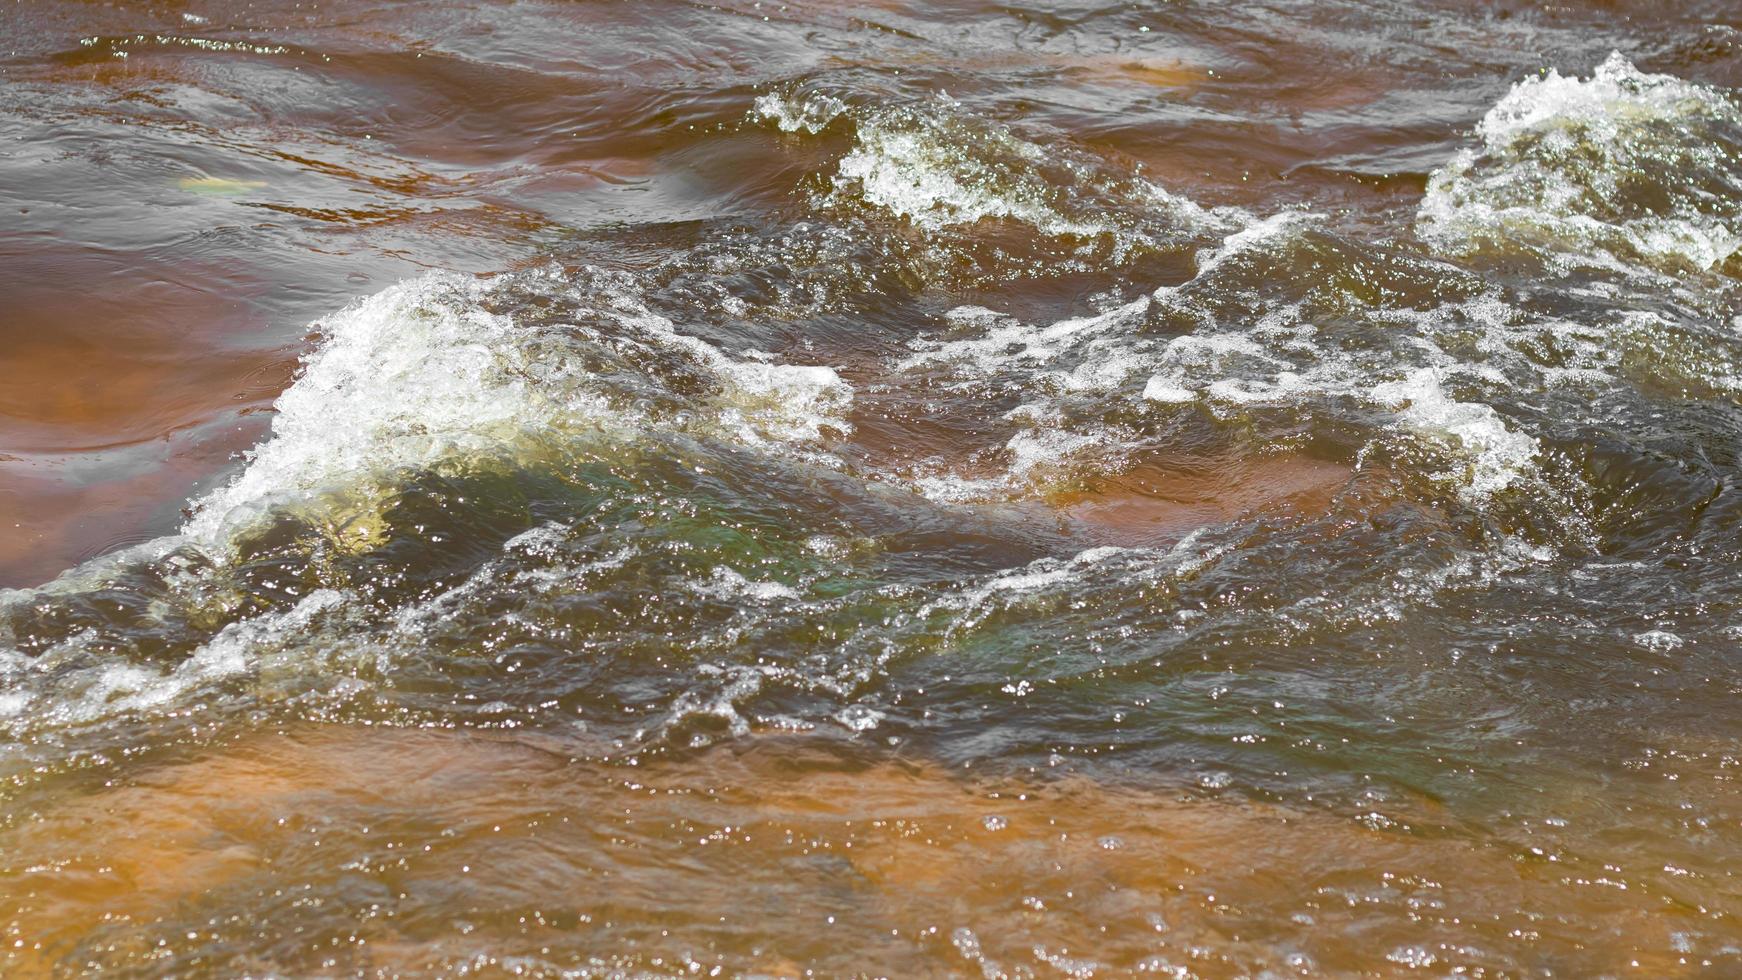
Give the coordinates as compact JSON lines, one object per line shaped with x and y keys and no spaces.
{"x":1251,"y":235}
{"x":1076,"y":372}
{"x":1498,"y":454}
{"x":810,"y":114}
{"x":423,"y":372}
{"x":932,"y":184}
{"x":1555,"y":159}
{"x":859,"y":717}
{"x":738,"y":683}
{"x":1194,"y":363}
{"x":1166,"y":392}
{"x":729,"y":583}
{"x":414,"y":374}
{"x":1658,"y":641}
{"x":1105,"y":354}
{"x":1041,"y":577}
{"x":938,"y":167}
{"x":1006,"y":340}
{"x":1031,"y":451}
{"x":68,"y":692}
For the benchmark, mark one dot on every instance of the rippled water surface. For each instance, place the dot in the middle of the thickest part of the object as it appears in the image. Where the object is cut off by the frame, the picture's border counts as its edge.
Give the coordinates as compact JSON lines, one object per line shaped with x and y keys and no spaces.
{"x":871,"y":488}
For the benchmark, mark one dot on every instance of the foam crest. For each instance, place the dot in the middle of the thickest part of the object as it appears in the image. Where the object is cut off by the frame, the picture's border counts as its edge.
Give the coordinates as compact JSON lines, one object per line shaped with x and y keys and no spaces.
{"x":440,"y":369}
{"x":415,"y":374}
{"x":937,"y":166}
{"x":1497,"y":454}
{"x":1621,"y":168}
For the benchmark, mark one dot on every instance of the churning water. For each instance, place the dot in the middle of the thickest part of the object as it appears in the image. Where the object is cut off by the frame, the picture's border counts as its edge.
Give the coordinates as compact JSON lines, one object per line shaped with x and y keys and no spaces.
{"x":884,"y":488}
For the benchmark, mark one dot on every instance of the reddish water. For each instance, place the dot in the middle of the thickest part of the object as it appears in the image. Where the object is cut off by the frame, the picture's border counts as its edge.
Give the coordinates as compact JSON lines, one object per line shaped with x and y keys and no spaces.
{"x":496,"y":853}
{"x":894,"y":488}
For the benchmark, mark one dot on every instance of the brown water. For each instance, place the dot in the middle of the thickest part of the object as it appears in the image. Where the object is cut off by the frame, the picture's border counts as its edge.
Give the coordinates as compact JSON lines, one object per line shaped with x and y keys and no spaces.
{"x":495,"y":852}
{"x":870,"y":489}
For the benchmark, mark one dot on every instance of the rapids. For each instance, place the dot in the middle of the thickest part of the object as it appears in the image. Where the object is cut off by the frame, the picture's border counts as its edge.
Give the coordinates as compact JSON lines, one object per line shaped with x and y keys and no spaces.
{"x":882,"y":488}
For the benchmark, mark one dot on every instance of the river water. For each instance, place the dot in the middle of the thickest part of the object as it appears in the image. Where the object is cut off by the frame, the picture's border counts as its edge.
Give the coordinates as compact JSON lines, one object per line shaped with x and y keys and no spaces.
{"x":871,"y":488}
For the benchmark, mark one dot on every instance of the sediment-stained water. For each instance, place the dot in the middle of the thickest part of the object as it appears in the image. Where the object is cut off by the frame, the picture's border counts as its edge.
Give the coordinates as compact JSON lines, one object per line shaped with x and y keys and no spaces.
{"x":573,"y":489}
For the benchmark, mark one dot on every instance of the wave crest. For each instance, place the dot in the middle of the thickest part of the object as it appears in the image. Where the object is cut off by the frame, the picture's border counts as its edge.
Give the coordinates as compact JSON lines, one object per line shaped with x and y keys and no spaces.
{"x":1618,"y":169}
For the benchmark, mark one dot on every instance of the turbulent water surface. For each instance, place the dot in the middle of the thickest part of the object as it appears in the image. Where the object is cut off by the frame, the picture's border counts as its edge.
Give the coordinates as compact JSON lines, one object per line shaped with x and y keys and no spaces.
{"x":885,"y":488}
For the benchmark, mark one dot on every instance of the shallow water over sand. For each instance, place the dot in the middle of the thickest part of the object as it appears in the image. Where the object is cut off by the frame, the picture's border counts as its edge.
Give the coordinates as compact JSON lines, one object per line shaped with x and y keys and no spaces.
{"x":870,"y":488}
{"x":352,"y":849}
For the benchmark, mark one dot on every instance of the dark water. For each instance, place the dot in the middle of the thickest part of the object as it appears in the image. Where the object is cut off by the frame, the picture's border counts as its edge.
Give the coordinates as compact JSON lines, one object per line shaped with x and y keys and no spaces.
{"x":897,"y":489}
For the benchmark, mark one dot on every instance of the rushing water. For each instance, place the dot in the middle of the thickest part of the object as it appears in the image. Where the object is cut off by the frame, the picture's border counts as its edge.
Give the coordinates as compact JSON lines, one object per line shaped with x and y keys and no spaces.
{"x":882,"y":488}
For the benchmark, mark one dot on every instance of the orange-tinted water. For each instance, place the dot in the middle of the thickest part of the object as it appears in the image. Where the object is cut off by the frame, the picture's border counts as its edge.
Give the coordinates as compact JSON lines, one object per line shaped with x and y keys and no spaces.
{"x":359,"y":850}
{"x":894,"y":488}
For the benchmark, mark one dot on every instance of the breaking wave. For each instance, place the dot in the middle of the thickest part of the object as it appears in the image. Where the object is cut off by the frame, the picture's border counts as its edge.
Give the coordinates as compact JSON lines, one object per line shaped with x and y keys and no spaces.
{"x":938,"y":166}
{"x":1614,"y":170}
{"x":483,"y":484}
{"x":441,"y":371}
